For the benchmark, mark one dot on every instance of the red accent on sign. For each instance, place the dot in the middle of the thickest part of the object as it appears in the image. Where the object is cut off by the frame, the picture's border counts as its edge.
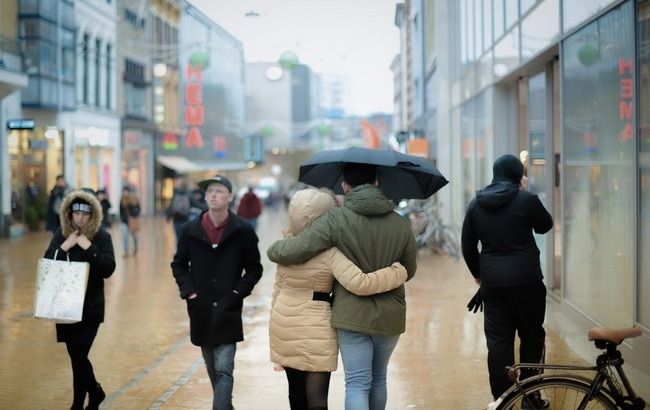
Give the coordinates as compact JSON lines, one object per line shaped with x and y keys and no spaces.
{"x":194,"y":138}
{"x":193,"y":94}
{"x":193,"y":74}
{"x":219,"y":143}
{"x":626,"y":102}
{"x":194,"y":115}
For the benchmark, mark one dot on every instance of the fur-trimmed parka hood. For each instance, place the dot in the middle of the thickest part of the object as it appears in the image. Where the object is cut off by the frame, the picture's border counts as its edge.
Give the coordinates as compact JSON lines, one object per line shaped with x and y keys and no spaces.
{"x":95,"y":222}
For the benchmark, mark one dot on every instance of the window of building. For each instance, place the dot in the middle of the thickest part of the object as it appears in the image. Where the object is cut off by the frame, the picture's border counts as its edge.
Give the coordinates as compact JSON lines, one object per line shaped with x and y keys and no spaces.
{"x":643,"y":58}
{"x":85,"y":77}
{"x":599,"y":167}
{"x":511,"y":8}
{"x":487,"y":24}
{"x":499,"y":19}
{"x":540,"y":28}
{"x":109,"y":62}
{"x":575,"y":12}
{"x":98,"y":70}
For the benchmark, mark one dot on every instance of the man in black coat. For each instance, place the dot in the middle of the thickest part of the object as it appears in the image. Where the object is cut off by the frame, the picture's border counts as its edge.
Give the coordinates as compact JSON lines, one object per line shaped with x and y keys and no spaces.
{"x":503,"y":217}
{"x":213,"y":251}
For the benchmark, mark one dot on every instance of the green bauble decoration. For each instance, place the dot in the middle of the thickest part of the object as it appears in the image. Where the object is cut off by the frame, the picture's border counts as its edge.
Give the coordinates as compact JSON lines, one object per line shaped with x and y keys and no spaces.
{"x":324,"y":130}
{"x":588,"y":54}
{"x":267,"y":131}
{"x":199,"y":60}
{"x":288,"y":60}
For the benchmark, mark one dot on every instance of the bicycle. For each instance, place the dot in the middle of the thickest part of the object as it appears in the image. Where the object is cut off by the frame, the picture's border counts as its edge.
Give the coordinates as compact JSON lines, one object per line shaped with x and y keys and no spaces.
{"x":605,"y":390}
{"x":429,"y":230}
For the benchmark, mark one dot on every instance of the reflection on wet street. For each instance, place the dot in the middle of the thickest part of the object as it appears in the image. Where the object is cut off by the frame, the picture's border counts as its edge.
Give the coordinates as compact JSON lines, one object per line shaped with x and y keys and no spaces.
{"x":144,"y":359}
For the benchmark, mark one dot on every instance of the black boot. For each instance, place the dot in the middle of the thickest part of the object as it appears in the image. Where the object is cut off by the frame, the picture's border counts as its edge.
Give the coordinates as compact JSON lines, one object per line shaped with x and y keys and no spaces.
{"x":96,"y":395}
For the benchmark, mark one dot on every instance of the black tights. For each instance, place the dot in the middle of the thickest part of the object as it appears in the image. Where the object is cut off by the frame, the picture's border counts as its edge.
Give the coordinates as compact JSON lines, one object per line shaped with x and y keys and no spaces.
{"x":83,"y":378}
{"x":307,"y":390}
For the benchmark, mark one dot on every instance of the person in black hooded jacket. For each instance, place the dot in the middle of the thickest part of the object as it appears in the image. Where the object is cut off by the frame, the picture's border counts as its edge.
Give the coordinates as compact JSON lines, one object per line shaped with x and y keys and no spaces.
{"x":503,"y":217}
{"x":82,"y":238}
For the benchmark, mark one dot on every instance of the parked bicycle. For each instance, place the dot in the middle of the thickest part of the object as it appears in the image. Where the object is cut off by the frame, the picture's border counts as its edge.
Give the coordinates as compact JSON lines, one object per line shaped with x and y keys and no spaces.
{"x":608,"y":388}
{"x":428,"y":228}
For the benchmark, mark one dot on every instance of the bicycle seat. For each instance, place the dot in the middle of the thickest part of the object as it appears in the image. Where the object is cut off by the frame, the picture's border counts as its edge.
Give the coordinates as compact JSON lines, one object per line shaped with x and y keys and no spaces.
{"x":615,"y":336}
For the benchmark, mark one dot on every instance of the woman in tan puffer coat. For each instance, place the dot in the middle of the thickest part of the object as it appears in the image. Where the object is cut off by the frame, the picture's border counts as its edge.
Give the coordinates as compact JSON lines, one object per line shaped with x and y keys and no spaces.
{"x":302,"y":339}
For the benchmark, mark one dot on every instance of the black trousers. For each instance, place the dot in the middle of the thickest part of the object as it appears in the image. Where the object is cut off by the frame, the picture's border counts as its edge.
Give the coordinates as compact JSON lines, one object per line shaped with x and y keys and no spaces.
{"x":307,"y":390}
{"x":519,"y":309}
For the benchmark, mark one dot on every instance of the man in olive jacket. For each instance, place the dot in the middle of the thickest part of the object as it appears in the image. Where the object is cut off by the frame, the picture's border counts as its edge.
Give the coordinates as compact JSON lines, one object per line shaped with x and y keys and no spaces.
{"x":370,"y":234}
{"x":213,"y":251}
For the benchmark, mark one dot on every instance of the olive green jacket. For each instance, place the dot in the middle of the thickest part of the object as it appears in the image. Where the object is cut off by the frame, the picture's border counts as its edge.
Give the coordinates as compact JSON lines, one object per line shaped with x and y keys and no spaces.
{"x":370,"y":234}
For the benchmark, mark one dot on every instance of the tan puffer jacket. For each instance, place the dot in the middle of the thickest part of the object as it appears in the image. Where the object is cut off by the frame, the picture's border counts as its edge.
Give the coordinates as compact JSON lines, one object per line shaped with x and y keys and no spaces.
{"x":301,"y":335}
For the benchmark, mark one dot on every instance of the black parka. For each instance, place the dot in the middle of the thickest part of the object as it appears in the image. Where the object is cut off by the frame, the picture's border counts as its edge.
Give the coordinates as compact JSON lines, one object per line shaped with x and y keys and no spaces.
{"x":99,"y":255}
{"x":213,"y":273}
{"x":503,"y":217}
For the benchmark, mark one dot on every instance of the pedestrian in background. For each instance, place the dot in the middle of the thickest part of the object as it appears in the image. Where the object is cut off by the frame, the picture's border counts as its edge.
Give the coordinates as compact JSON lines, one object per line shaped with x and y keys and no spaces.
{"x":130,"y":218}
{"x":81,"y":238}
{"x":250,"y":207}
{"x":372,"y":236}
{"x":106,"y":206}
{"x":179,"y":209}
{"x":57,"y":193}
{"x":503,"y":218}
{"x":197,"y":203}
{"x":213,"y":251}
{"x":301,"y":336}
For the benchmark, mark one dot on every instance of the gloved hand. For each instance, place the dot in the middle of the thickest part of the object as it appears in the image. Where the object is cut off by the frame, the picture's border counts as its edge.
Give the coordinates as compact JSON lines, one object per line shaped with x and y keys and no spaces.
{"x":476,"y":302}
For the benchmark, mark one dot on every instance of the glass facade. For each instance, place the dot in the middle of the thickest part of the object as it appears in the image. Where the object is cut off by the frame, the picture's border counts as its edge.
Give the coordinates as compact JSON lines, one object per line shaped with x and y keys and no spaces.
{"x":599,"y":156}
{"x":51,"y":79}
{"x":212,"y":69}
{"x":643,"y":80}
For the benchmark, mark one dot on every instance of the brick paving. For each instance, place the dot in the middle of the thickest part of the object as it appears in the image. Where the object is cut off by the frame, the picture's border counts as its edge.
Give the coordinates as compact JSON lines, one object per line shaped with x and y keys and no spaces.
{"x":144,"y":359}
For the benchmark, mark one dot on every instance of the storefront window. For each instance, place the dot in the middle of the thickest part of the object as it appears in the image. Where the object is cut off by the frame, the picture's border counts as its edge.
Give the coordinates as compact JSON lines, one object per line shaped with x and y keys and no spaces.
{"x":643,"y":53}
{"x":575,"y":12}
{"x":599,"y":149}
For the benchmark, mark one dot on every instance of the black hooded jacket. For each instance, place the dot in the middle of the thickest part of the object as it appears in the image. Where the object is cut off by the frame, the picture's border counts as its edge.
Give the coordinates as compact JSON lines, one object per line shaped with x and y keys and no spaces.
{"x":503,"y":217}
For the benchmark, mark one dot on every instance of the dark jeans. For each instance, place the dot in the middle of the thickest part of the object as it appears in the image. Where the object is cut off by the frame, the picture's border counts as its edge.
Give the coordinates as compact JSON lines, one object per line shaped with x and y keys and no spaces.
{"x":508,"y":310}
{"x":220,"y":363}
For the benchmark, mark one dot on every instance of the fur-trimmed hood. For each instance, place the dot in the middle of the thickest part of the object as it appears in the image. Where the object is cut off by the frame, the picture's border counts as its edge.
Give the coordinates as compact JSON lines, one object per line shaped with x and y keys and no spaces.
{"x":95,"y":222}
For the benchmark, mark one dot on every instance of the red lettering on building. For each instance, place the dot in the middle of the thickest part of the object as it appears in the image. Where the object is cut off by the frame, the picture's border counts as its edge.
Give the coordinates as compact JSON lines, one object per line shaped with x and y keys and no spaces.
{"x":193,"y":94}
{"x":626,"y":101}
{"x":194,"y":110}
{"x":194,"y":138}
{"x":193,"y":74}
{"x":194,"y":115}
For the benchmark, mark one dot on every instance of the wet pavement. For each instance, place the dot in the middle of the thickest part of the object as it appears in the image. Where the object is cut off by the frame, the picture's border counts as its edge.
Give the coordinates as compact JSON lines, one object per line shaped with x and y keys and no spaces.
{"x":143,"y":358}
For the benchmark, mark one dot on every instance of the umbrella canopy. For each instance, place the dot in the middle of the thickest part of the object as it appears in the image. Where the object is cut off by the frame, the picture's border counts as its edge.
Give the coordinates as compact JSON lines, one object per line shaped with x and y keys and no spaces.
{"x":400,"y":176}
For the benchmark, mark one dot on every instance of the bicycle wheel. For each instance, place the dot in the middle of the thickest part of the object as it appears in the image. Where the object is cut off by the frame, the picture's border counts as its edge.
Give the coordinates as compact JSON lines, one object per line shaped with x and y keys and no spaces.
{"x":561,"y":394}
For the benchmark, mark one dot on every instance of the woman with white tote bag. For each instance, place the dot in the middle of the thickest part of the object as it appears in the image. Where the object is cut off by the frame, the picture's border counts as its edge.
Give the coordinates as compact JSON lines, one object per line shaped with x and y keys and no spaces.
{"x":81,"y":238}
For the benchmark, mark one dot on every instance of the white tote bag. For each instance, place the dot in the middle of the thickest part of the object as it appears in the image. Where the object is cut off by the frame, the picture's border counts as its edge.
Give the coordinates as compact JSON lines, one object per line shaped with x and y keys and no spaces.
{"x":60,"y":289}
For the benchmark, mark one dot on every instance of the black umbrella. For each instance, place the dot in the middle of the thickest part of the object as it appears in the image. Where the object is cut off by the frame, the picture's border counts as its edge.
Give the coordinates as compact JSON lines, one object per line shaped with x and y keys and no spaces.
{"x":400,"y":176}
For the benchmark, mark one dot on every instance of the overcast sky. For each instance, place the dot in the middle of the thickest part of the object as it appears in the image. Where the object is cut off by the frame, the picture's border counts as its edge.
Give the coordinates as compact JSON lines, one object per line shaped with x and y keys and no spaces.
{"x":357,"y":38}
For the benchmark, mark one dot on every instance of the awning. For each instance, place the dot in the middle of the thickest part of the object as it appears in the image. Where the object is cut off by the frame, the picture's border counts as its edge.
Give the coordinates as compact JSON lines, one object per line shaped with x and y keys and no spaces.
{"x":183,"y":165}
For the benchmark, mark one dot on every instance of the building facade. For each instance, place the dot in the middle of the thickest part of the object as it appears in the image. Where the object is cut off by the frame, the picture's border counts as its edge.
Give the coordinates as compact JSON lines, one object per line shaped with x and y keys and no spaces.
{"x":134,"y":58}
{"x":564,"y":85}
{"x":14,"y":129}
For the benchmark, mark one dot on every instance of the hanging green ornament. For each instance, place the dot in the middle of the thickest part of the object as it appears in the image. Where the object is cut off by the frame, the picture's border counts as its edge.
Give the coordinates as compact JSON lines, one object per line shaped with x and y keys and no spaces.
{"x":288,"y":60}
{"x":199,"y":60}
{"x":588,"y":54}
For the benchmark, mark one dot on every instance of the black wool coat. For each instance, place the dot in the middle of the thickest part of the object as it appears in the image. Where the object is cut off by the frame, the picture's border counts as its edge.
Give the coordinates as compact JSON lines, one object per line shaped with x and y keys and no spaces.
{"x":99,"y":255}
{"x":213,"y":272}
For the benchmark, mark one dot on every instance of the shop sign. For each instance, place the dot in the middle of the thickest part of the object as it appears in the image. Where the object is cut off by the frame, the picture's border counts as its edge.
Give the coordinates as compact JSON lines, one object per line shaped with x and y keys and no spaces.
{"x":94,"y":136}
{"x":21,"y":124}
{"x":37,"y":144}
{"x":626,"y":98}
{"x":194,"y":110}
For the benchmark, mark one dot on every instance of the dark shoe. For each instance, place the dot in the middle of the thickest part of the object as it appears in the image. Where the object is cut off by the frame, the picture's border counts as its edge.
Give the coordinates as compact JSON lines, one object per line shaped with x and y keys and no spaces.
{"x":96,"y":395}
{"x":534,"y":401}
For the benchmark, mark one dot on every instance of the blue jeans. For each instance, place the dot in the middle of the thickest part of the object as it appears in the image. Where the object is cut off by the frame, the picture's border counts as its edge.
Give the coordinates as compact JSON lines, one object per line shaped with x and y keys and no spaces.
{"x":365,"y":361}
{"x":125,"y":238}
{"x":220,"y":362}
